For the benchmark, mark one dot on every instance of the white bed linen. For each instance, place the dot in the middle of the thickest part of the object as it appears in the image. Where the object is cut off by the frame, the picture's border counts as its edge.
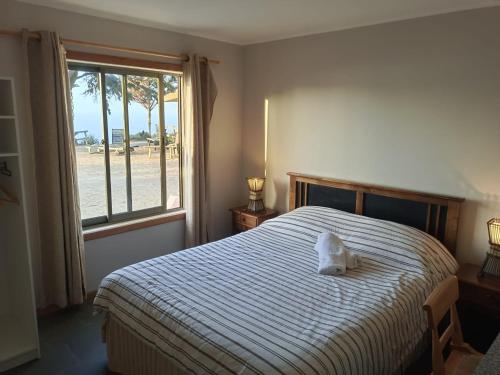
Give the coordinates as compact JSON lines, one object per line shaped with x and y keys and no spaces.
{"x":254,"y":303}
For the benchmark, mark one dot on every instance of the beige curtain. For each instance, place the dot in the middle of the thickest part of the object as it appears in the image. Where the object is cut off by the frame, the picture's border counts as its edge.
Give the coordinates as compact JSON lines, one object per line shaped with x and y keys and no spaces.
{"x":199,"y":93}
{"x":61,"y":275}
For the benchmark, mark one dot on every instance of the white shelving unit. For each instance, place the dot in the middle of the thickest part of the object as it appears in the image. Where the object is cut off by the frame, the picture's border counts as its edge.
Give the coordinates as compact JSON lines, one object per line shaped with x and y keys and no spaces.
{"x":18,"y":325}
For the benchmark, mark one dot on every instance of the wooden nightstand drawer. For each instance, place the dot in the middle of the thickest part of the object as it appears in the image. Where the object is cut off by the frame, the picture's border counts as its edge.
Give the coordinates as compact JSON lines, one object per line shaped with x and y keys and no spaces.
{"x":244,"y":220}
{"x":248,"y":220}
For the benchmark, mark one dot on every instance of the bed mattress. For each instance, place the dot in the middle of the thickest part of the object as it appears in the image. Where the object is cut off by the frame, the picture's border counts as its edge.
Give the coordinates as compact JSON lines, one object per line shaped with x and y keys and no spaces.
{"x":254,"y":303}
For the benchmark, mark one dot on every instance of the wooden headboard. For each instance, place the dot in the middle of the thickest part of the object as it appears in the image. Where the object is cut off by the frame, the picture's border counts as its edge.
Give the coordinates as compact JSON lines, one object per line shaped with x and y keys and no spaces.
{"x":437,"y":215}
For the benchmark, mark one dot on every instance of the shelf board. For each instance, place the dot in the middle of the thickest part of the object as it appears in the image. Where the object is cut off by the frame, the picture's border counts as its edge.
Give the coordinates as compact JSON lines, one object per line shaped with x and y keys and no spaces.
{"x":8,"y":154}
{"x":10,"y":117}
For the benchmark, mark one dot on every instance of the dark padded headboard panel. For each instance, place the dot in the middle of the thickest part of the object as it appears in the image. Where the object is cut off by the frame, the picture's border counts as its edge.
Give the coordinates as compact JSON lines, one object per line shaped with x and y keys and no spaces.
{"x":325,"y":196}
{"x":435,"y":214}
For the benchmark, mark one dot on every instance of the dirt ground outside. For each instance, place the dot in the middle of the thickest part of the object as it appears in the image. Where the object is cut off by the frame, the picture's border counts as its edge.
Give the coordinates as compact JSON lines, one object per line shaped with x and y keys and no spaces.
{"x":145,"y":177}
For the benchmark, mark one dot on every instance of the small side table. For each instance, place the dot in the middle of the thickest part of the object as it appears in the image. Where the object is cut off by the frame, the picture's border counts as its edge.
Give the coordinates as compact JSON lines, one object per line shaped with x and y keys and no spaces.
{"x":484,"y":292}
{"x":244,"y":219}
{"x":479,"y":307}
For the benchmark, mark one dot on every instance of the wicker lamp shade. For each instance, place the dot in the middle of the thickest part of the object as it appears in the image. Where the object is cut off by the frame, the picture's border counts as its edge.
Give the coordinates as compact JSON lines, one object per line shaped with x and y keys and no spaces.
{"x":494,"y":231}
{"x":491,"y":265}
{"x":256,"y":187}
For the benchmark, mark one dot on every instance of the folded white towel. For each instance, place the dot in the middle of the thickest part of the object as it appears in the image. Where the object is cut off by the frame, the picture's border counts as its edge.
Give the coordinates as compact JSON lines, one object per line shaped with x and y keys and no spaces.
{"x":334,"y":258}
{"x":331,"y":254}
{"x":352,"y":260}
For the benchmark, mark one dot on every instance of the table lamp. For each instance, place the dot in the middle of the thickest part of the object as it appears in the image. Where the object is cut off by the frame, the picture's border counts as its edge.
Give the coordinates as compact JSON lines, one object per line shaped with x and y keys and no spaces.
{"x":256,"y":186}
{"x":491,"y":265}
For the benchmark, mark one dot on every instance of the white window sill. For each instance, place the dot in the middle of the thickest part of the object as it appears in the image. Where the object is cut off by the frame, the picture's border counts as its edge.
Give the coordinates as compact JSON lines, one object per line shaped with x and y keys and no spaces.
{"x":127,"y":226}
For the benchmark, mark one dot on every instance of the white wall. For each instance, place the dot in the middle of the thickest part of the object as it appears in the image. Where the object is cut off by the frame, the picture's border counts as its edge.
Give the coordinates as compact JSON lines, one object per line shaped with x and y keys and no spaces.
{"x":105,"y":255}
{"x":226,"y":188}
{"x":412,"y":104}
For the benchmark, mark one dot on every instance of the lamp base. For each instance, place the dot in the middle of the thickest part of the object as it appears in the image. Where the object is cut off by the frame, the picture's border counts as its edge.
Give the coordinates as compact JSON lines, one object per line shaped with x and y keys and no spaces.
{"x":255,"y":205}
{"x":491,"y":265}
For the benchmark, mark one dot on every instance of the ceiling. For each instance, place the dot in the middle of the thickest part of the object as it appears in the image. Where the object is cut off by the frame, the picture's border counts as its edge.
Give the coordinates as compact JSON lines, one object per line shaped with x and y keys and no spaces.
{"x":254,"y":21}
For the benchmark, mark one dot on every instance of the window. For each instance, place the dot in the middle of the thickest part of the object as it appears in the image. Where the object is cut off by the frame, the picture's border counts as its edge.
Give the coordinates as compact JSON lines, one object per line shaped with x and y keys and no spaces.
{"x":127,"y":140}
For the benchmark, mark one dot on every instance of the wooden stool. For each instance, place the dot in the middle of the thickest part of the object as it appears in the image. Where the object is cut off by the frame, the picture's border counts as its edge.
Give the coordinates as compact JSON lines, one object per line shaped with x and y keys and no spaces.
{"x":463,"y":359}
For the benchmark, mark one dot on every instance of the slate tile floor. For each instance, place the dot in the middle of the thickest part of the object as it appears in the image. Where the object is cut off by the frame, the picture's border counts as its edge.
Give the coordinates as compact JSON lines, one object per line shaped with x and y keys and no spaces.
{"x":70,"y":343}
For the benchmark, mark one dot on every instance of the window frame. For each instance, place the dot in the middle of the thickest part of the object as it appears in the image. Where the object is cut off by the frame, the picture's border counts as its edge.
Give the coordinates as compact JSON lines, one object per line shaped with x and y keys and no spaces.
{"x":103,"y":64}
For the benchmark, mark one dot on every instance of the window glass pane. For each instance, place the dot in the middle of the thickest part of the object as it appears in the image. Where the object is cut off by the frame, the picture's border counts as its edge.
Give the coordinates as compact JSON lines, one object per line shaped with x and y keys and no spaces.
{"x":86,"y":102}
{"x":136,"y":175}
{"x":172,"y":130}
{"x":144,"y":129}
{"x":116,"y":139}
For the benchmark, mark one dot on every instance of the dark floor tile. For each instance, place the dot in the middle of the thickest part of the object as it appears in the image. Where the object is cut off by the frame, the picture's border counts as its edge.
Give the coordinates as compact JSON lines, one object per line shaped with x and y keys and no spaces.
{"x":87,"y":345}
{"x":56,"y":357}
{"x":64,"y":325}
{"x":70,"y":343}
{"x":94,"y":365}
{"x":422,"y":365}
{"x":479,"y":327}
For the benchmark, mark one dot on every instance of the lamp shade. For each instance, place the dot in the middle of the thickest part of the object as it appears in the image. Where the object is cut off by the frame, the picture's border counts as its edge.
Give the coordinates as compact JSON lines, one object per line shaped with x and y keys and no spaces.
{"x":255,"y":183}
{"x":255,"y":201}
{"x":494,"y":231}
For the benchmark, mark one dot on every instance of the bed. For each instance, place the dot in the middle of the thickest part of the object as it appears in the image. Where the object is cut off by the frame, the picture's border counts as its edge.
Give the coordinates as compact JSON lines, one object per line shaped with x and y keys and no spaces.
{"x":254,"y":303}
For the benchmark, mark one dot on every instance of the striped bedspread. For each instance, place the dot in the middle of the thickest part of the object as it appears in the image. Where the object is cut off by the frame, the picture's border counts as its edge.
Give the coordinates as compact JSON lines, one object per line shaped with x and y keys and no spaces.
{"x":254,"y":303}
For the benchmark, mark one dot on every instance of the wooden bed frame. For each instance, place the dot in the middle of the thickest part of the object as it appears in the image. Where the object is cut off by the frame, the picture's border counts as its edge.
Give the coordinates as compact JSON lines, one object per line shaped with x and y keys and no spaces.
{"x":435,"y":214}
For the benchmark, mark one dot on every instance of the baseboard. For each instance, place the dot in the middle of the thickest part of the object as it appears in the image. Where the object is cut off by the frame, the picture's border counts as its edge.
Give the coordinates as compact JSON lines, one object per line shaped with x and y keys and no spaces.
{"x":19,"y":360}
{"x":52,"y":309}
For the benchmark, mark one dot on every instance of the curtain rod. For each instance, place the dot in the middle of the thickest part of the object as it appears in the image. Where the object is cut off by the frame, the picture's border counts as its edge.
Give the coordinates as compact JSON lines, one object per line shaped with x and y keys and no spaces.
{"x":75,"y":42}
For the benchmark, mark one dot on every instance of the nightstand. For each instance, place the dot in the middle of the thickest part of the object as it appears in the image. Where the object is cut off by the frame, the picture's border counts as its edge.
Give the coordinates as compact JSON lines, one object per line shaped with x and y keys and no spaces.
{"x":479,"y":307}
{"x":244,"y":219}
{"x":484,"y":292}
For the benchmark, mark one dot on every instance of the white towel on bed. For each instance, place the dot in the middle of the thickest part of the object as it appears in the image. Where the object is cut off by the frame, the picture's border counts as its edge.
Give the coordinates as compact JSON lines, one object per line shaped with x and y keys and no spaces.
{"x":352,"y":260}
{"x":333,"y":257}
